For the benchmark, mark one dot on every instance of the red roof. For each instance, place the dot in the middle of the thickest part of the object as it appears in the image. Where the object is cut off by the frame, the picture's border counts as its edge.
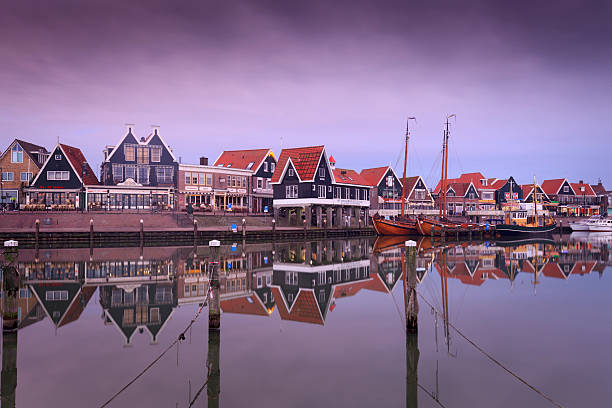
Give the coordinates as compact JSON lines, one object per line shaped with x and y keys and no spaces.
{"x":552,"y":186}
{"x":331,"y":159}
{"x":372,"y":177}
{"x":77,"y":159}
{"x":578,"y":189}
{"x":304,"y":159}
{"x":474,"y":178}
{"x":304,"y":309}
{"x":497,"y":184}
{"x":240,"y":159}
{"x":348,"y":176}
{"x":250,"y":305}
{"x":527,"y":189}
{"x":599,"y":189}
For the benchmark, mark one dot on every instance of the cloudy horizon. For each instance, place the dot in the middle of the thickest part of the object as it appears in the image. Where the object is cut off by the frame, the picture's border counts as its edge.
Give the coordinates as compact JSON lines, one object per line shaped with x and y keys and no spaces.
{"x":529,"y":81}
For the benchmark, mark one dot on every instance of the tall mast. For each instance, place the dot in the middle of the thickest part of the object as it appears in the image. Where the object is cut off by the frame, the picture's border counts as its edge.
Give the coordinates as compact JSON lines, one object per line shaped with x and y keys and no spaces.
{"x":445,"y":169}
{"x":442,"y":184}
{"x":405,"y":160}
{"x":535,"y":200}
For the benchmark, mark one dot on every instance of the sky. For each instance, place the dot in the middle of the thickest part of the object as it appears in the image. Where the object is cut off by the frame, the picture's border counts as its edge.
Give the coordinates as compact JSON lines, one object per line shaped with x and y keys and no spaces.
{"x":529,"y":81}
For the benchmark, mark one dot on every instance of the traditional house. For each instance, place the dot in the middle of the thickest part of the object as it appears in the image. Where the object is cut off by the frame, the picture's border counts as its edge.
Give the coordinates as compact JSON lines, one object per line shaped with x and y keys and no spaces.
{"x":503,"y":188}
{"x":484,"y":187}
{"x":19,"y":163}
{"x":418,"y":196}
{"x":213,"y":188}
{"x":561,"y":195}
{"x":61,"y":182}
{"x":604,"y":198}
{"x":307,"y":190}
{"x":261,"y":163}
{"x":585,"y":200}
{"x":386,"y":189}
{"x":461,"y":198}
{"x":137,"y":174}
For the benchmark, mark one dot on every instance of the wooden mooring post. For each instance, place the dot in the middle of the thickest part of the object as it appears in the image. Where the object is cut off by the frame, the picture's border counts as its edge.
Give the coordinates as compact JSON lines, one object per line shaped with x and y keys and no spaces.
{"x":37,"y":232}
{"x":214,"y":309}
{"x":243,"y":228}
{"x":195,"y":233}
{"x":141,"y":233}
{"x":410,"y":283}
{"x":213,"y":388}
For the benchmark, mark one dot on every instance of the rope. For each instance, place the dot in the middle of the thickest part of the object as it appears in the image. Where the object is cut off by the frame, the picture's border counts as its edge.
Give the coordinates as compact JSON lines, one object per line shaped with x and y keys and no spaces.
{"x":201,"y":388}
{"x":490,"y":357}
{"x":431,"y":395}
{"x":180,"y":337}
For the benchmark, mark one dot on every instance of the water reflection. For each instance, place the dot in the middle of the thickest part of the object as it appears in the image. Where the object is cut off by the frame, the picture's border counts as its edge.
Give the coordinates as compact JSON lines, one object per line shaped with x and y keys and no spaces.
{"x":139,"y":290}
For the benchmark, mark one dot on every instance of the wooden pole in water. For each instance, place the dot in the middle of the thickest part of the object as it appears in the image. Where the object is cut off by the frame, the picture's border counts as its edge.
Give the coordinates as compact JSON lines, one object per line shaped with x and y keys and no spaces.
{"x":243,"y":228}
{"x":91,"y":236}
{"x":214,"y":310}
{"x":37,"y":233}
{"x":141,"y":233}
{"x":213,"y":388}
{"x":411,"y":305}
{"x":195,"y":233}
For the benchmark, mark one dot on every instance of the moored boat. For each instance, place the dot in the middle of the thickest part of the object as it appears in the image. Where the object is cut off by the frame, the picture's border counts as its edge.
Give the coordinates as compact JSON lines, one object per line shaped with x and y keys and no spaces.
{"x":601,"y":225}
{"x":583,"y":225}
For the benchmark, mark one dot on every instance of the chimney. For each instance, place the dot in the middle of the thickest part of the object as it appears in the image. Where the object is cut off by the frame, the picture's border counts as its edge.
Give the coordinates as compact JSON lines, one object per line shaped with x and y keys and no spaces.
{"x":155,"y":129}
{"x":203,"y":161}
{"x":581,"y":182}
{"x":129,"y":128}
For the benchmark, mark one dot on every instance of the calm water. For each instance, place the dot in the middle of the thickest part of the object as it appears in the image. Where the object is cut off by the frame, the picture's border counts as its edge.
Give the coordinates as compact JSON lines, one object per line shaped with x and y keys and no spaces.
{"x":313,"y":324}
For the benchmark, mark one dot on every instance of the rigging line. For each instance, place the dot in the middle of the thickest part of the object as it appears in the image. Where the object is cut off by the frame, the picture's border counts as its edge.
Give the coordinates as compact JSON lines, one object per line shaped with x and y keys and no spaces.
{"x":195,"y":398}
{"x":180,"y":337}
{"x":490,"y":357}
{"x":428,"y":179}
{"x":431,"y":395}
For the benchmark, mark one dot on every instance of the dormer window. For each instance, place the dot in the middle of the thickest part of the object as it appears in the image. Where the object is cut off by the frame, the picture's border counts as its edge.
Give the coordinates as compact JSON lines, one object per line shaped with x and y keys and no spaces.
{"x":272,"y":167}
{"x":582,"y":188}
{"x":58,"y":157}
{"x":321,"y":172}
{"x":565,"y":189}
{"x":265,"y":166}
{"x":229,"y":165}
{"x":290,"y":172}
{"x":483,"y":182}
{"x":248,"y":167}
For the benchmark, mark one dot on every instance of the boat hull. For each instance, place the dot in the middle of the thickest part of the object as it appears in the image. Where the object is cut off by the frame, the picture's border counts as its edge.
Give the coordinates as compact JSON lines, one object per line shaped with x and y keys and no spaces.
{"x":389,"y":227}
{"x":506,"y":229}
{"x":578,"y":226}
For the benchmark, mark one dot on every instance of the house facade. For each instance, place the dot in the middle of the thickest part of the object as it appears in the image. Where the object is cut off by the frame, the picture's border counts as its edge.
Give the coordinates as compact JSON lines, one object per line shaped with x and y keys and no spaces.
{"x":503,"y":189}
{"x":418,"y":196}
{"x":571,"y":199}
{"x":484,"y":187}
{"x":462,"y":198}
{"x":604,"y":198}
{"x":213,"y":188}
{"x":585,"y":200}
{"x":137,"y":174}
{"x":19,"y":163}
{"x":385,"y":191}
{"x":308,"y":193}
{"x":61,"y":182}
{"x":261,"y":163}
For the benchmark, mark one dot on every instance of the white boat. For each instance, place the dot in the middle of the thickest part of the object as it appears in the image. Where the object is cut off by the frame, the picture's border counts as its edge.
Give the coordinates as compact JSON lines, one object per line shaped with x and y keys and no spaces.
{"x":584,"y":225}
{"x":602,"y":225}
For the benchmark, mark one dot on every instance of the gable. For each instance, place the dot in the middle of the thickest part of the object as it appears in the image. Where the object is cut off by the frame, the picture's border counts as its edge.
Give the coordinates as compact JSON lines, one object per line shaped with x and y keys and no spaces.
{"x":569,"y":191}
{"x":117,"y":155}
{"x":471,"y":189}
{"x":52,"y":164}
{"x":167,"y":156}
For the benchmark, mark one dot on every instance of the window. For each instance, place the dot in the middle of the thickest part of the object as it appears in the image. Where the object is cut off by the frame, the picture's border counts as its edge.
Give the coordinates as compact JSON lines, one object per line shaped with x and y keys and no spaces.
{"x":58,"y":157}
{"x":8,"y":176}
{"x":129,"y":152}
{"x":322,"y":192}
{"x":25,"y":293}
{"x":143,"y":155}
{"x":56,"y":295}
{"x":130,"y":172}
{"x":143,"y":174}
{"x":321,"y":172}
{"x":389,"y":181}
{"x":156,"y":154}
{"x":187,"y":178}
{"x":272,"y":167}
{"x":290,"y":172}
{"x":58,"y":175}
{"x":265,"y":166}
{"x":337,"y":193}
{"x":259,"y":182}
{"x":471,"y":196}
{"x":208,"y":179}
{"x":347,"y":192}
{"x":154,"y":315}
{"x":26,"y":176}
{"x":165,"y":175}
{"x":268,"y":186}
{"x":202,"y":178}
{"x":128,"y":316}
{"x":291,"y":278}
{"x":163,"y":295}
{"x":117,"y":173}
{"x":17,"y":154}
{"x":194,"y":178}
{"x":565,"y":189}
{"x":243,"y":181}
{"x":419,"y":194}
{"x":248,"y":167}
{"x":329,"y":189}
{"x":291,"y":191}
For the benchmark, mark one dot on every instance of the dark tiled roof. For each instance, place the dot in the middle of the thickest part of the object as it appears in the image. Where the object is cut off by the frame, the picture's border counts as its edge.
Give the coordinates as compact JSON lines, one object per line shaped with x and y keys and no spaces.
{"x":240,"y":159}
{"x":599,"y":189}
{"x":77,"y":158}
{"x":31,"y":148}
{"x":305,"y":160}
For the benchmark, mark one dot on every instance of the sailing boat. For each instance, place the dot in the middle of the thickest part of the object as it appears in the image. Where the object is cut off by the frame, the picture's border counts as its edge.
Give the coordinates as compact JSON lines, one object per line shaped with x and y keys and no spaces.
{"x":402,"y":225}
{"x":429,"y":225}
{"x":517,"y":223}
